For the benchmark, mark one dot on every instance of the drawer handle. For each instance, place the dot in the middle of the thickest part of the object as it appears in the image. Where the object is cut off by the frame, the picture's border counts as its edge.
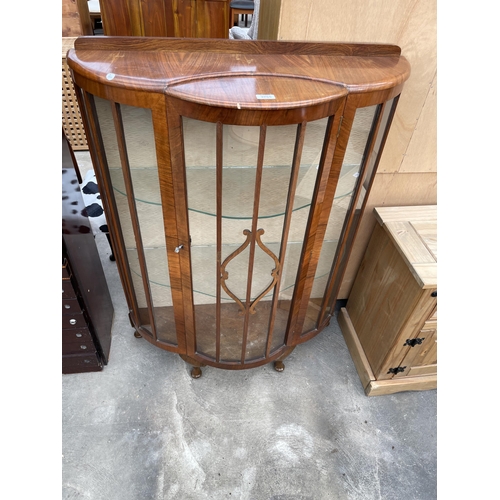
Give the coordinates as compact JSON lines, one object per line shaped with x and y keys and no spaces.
{"x":178,"y":249}
{"x":72,"y":321}
{"x":83,"y":347}
{"x":434,"y":294}
{"x":66,"y":306}
{"x":395,"y":371}
{"x":413,"y":342}
{"x":78,"y":335}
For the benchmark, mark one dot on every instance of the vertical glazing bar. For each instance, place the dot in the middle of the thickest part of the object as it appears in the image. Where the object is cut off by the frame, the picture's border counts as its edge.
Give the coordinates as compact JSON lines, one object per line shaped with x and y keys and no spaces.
{"x":255,"y":219}
{"x":324,"y":190}
{"x":297,"y":155}
{"x":218,"y":165}
{"x":129,"y":189}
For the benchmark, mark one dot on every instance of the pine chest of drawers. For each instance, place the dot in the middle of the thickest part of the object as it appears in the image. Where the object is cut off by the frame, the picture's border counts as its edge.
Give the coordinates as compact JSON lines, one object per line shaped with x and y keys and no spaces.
{"x":390,"y":320}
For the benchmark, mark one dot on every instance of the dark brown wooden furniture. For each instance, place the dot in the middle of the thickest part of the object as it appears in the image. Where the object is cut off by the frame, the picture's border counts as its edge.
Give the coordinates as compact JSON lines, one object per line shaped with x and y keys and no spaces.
{"x":166,"y":18}
{"x":233,"y":174}
{"x":87,"y":310}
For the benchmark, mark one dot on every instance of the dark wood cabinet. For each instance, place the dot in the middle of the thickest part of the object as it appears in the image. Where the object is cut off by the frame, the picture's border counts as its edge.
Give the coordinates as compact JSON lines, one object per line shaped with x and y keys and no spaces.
{"x":87,"y":309}
{"x":166,"y":18}
{"x":233,"y":175}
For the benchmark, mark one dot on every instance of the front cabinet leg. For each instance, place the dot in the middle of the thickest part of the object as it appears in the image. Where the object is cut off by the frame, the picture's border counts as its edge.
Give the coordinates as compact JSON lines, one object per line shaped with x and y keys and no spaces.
{"x":279,"y":366}
{"x":196,"y":365}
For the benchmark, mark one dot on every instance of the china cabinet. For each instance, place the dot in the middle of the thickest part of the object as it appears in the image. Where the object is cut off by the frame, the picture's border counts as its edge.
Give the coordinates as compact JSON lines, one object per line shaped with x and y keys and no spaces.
{"x":233,"y":176}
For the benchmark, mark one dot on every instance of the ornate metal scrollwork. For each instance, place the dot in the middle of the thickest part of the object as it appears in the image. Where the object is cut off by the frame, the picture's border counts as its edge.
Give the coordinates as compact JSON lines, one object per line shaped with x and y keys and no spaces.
{"x":224,"y":275}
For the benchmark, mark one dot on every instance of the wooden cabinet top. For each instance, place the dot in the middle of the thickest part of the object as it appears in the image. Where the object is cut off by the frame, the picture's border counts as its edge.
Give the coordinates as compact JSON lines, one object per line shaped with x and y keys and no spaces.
{"x":414,"y":232}
{"x":226,"y":72}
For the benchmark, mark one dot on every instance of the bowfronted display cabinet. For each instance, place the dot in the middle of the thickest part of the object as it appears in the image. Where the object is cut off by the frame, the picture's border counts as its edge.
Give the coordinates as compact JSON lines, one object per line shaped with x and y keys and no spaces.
{"x":233,"y":174}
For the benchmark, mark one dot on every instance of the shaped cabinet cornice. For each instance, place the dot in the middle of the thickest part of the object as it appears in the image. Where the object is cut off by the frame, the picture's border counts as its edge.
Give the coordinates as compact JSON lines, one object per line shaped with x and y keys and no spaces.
{"x":233,"y":175}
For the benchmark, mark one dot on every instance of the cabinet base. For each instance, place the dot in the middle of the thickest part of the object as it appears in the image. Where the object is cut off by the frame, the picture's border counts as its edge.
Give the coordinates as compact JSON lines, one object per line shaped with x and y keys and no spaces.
{"x":196,"y":365}
{"x":371,"y":385}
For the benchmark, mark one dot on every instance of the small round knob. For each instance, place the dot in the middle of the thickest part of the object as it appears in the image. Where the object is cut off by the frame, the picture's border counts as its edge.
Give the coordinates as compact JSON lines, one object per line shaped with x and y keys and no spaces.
{"x":72,"y":321}
{"x":434,"y":294}
{"x":66,"y":306}
{"x":78,"y":335}
{"x":83,"y":347}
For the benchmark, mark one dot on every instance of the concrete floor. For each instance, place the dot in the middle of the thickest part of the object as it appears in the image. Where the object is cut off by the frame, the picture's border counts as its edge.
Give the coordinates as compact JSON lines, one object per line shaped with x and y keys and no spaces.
{"x":144,"y":429}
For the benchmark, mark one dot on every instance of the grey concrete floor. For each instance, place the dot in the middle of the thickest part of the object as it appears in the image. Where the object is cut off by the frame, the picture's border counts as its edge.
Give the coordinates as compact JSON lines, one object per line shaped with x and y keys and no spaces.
{"x":144,"y":429}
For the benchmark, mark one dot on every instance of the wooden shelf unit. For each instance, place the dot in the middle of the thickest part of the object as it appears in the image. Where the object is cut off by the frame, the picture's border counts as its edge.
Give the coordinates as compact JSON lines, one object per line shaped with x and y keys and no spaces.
{"x":390,"y":320}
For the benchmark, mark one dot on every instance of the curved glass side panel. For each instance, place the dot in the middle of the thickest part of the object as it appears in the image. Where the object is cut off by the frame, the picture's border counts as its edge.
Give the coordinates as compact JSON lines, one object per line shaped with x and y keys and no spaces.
{"x":386,"y":114}
{"x":133,"y":172}
{"x":344,"y":193}
{"x":249,"y":194}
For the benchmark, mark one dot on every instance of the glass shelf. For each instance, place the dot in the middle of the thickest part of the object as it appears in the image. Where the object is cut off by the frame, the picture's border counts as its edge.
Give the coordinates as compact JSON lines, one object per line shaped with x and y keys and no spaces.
{"x":201,"y":195}
{"x":205,"y":280}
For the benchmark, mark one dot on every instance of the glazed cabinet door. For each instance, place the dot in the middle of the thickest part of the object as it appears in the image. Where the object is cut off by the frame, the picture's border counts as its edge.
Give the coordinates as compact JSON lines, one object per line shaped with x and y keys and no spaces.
{"x":129,"y":164}
{"x":249,"y":192}
{"x":254,"y":191}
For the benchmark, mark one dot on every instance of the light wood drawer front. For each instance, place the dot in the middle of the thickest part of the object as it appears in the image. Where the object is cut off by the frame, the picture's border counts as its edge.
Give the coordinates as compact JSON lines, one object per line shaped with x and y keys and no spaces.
{"x":418,"y":371}
{"x":434,"y":314}
{"x":430,"y":324}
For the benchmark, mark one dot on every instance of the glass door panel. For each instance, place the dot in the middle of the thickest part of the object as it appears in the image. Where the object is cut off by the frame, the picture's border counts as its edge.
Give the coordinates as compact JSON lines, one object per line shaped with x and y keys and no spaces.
{"x":134,"y":176}
{"x":248,"y":205}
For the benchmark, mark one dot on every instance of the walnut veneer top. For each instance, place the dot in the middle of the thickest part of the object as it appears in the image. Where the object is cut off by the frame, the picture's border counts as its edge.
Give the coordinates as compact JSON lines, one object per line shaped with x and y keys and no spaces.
{"x":228,"y":73}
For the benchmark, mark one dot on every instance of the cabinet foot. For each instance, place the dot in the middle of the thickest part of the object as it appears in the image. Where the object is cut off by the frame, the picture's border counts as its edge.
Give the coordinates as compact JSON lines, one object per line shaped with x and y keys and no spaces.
{"x":137,"y":335}
{"x":279,"y":366}
{"x":196,"y":365}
